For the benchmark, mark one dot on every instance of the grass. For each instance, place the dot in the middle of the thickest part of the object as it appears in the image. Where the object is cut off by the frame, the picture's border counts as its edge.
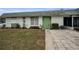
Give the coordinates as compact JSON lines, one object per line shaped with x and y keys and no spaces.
{"x":22,"y":39}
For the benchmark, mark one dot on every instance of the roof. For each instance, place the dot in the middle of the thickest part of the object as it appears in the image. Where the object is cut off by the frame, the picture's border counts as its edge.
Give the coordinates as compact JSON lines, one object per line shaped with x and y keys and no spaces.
{"x":41,"y":13}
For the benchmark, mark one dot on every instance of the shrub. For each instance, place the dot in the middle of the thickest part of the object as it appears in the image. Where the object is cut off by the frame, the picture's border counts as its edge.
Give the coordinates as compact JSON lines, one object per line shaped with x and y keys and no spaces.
{"x":7,"y":27}
{"x":55,"y":26}
{"x":18,"y":26}
{"x":24,"y":28}
{"x":3,"y":26}
{"x":15,"y":26}
{"x":34,"y":27}
{"x":76,"y":28}
{"x":62,"y":27}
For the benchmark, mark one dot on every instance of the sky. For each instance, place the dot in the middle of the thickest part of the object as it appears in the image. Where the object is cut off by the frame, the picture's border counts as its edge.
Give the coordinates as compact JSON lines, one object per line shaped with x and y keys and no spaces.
{"x":11,"y":10}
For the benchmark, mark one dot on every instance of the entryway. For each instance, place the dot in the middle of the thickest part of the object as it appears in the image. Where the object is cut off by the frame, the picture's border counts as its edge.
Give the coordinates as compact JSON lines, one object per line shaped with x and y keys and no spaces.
{"x":46,"y":22}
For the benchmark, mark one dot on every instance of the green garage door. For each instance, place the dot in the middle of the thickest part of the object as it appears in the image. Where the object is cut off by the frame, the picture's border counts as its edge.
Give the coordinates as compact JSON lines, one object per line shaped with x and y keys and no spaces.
{"x":46,"y":22}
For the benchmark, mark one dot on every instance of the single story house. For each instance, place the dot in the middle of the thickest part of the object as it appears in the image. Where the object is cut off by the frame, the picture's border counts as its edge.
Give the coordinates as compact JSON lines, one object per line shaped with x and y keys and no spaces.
{"x":68,"y":18}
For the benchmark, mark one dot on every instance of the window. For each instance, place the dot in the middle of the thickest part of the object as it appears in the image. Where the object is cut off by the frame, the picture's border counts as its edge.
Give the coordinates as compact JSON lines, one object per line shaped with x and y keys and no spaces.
{"x":76,"y":21}
{"x":2,"y":20}
{"x":34,"y":21}
{"x":68,"y":21}
{"x":15,"y":25}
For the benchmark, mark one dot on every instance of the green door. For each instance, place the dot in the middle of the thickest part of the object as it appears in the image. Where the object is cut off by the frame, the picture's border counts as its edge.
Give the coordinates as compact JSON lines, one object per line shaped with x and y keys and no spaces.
{"x":46,"y":22}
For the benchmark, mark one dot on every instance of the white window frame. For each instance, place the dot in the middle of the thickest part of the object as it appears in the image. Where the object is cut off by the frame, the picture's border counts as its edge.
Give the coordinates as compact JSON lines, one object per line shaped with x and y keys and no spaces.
{"x":34,"y":21}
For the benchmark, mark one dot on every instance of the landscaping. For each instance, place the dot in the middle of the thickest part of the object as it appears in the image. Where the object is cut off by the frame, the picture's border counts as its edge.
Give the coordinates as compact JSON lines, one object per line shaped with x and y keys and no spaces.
{"x":22,"y":39}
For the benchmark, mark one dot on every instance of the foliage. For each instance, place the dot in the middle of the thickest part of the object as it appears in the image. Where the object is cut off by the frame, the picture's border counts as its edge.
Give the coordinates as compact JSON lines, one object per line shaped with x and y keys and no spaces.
{"x":55,"y":26}
{"x":34,"y":27}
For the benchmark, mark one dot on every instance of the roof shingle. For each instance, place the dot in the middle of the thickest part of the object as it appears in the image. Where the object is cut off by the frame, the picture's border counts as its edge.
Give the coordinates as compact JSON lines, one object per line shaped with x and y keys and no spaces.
{"x":41,"y":13}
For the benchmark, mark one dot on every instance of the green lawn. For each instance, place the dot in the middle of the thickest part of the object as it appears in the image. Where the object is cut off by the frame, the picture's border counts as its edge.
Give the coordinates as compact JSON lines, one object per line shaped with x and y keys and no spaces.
{"x":22,"y":39}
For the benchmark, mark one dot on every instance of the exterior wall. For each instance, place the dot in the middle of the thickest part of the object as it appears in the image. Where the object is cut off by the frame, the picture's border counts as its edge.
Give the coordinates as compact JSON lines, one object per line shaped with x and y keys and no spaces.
{"x":40,"y":22}
{"x":27,"y":22}
{"x":58,"y":20}
{"x":9,"y":21}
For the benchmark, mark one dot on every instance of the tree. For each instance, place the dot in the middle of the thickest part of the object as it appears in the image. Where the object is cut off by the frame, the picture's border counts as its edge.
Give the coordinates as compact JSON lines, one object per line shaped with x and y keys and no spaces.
{"x":77,"y":9}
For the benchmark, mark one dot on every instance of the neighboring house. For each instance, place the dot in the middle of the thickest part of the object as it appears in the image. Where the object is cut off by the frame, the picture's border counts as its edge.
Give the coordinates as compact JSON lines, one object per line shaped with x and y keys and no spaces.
{"x":43,"y":19}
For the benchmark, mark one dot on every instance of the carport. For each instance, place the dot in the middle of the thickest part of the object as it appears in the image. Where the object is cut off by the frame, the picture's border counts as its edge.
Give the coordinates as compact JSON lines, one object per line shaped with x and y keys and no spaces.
{"x":71,"y":21}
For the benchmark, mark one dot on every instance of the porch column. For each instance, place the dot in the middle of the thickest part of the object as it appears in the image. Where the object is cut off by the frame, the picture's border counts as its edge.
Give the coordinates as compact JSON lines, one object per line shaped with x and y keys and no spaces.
{"x":72,"y":22}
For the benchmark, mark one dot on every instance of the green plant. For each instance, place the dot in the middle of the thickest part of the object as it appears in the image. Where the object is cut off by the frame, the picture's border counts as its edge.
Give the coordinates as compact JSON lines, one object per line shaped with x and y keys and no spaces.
{"x":63,"y":27}
{"x":76,"y":28}
{"x":42,"y":27}
{"x":55,"y":26}
{"x":3,"y":26}
{"x":34,"y":27}
{"x":24,"y":28}
{"x":15,"y":26}
{"x":18,"y":26}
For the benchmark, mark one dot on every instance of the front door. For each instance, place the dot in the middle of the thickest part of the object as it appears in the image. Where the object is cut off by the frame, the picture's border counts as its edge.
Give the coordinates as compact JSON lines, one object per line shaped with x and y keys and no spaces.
{"x":46,"y":22}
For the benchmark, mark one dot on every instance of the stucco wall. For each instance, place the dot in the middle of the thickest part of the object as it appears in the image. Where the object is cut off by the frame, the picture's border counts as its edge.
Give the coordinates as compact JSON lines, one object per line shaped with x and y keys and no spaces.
{"x":58,"y":20}
{"x":9,"y":21}
{"x":27,"y":22}
{"x":40,"y":22}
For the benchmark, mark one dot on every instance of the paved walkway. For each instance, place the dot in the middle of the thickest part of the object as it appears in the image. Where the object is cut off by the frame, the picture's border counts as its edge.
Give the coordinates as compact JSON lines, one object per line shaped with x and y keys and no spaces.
{"x":62,"y":40}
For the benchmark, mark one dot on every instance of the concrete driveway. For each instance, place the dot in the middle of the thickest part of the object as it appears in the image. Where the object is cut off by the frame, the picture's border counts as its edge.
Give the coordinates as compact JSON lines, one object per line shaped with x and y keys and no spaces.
{"x":62,"y":40}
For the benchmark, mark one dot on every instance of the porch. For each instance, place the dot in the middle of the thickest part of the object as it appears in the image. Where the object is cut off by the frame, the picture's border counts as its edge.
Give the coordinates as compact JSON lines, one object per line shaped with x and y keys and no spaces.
{"x":71,"y":22}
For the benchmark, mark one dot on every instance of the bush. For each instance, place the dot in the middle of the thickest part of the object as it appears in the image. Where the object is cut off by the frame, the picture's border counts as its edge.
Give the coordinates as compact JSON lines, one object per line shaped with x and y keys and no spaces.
{"x":7,"y":27}
{"x":18,"y":26}
{"x":62,"y":27}
{"x":24,"y":28}
{"x":15,"y":26}
{"x":76,"y":28}
{"x":3,"y":26}
{"x":55,"y":26}
{"x":34,"y":27}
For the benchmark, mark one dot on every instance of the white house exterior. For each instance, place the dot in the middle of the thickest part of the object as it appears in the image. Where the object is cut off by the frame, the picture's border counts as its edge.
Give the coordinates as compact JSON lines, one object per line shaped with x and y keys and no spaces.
{"x":57,"y":19}
{"x":28,"y":24}
{"x":42,"y":19}
{"x":10,"y":21}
